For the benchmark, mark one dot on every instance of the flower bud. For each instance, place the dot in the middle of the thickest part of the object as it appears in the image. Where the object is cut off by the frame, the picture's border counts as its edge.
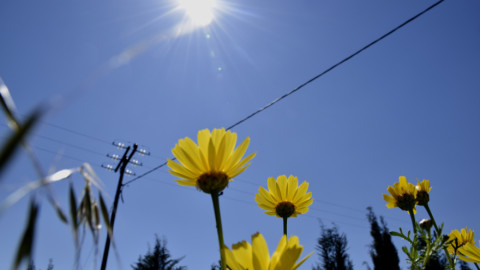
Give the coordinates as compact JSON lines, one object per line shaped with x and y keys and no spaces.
{"x":426,"y":224}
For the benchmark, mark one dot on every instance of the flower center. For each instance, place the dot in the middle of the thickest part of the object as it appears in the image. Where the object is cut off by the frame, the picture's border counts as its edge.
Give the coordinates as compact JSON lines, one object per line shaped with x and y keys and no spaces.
{"x":406,"y":202}
{"x":285,"y":209}
{"x":212,"y":182}
{"x":422,"y":198}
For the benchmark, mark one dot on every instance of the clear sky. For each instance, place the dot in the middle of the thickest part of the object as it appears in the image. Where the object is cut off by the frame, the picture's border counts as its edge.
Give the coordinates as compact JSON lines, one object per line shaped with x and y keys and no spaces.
{"x":122,"y":70}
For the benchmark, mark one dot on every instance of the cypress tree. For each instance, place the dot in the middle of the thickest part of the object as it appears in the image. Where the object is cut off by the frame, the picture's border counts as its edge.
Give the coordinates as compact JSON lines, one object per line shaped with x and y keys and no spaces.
{"x":158,"y":259}
{"x":382,"y":251}
{"x":464,"y":266}
{"x":332,"y":250}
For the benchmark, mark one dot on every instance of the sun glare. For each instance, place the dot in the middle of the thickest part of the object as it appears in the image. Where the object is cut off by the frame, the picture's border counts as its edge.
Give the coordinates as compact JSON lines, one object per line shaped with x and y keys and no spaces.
{"x":200,"y":12}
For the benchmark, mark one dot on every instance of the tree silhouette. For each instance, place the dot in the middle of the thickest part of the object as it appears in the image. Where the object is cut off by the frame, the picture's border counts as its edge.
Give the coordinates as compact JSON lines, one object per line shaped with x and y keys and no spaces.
{"x":31,"y":265}
{"x":158,"y":259}
{"x":382,"y":251}
{"x":332,"y":250}
{"x":464,"y":266}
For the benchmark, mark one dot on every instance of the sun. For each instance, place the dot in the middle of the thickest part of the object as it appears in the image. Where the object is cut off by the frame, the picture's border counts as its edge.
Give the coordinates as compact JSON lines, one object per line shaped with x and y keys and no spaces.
{"x":199,"y":12}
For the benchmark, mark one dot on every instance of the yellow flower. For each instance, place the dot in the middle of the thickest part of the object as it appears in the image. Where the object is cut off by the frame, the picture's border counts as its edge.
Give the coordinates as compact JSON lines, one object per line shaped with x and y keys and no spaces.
{"x":459,"y":239}
{"x":423,"y":189}
{"x":403,"y":195}
{"x":284,"y":197}
{"x":212,"y":163}
{"x":244,"y":256}
{"x":469,"y":253}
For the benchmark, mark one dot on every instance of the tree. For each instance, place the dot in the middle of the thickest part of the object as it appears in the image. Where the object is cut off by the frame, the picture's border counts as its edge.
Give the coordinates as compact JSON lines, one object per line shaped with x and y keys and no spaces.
{"x":332,"y":249}
{"x":31,"y":265}
{"x":437,"y":262}
{"x":382,"y":251}
{"x":158,"y":259}
{"x":215,"y":266}
{"x":464,"y":266}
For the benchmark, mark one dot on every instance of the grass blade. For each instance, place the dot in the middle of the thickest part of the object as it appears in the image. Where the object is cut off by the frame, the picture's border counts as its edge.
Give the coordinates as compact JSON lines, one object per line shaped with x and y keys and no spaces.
{"x":24,"y":251}
{"x":16,"y":139}
{"x":8,"y":106}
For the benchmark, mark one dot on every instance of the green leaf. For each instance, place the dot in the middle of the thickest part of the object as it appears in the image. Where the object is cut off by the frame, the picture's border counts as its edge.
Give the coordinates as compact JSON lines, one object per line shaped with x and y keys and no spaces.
{"x":88,"y":208}
{"x":60,"y":213}
{"x":401,"y":235}
{"x":96,"y":213}
{"x":24,"y":251}
{"x":81,"y":211}
{"x":73,"y":210}
{"x":16,"y":138}
{"x":396,"y":234}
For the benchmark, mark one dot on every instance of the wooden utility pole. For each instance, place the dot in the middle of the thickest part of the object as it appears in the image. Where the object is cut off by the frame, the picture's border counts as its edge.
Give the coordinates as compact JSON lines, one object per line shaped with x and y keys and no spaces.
{"x":122,"y":165}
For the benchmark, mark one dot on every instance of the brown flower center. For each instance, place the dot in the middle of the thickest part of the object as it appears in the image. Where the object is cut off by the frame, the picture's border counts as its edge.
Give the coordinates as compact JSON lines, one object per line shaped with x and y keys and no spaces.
{"x":212,"y":182}
{"x":406,"y":202}
{"x":285,"y":209}
{"x":422,"y":198}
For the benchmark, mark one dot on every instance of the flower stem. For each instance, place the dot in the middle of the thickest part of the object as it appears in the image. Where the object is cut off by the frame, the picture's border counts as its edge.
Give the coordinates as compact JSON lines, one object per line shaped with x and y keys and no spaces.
{"x":427,"y":249}
{"x":285,"y":225}
{"x":218,"y":220}
{"x":476,"y":265}
{"x":412,"y":217}
{"x":450,"y":261}
{"x":431,"y":217}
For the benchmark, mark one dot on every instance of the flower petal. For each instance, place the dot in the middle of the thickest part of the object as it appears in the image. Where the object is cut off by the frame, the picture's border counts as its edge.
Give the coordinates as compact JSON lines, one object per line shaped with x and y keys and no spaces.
{"x":261,"y":256}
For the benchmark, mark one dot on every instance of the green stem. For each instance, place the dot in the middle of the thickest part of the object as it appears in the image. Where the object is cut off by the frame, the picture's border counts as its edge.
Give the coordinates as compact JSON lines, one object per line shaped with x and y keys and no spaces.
{"x":218,"y":220}
{"x":285,"y":225}
{"x":412,"y":217}
{"x":432,"y":218}
{"x":450,"y":261}
{"x":428,"y":249}
{"x":476,"y":265}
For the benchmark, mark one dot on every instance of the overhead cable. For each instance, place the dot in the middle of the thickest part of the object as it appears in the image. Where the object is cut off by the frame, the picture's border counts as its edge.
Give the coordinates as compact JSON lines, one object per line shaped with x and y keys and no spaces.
{"x":309,"y":81}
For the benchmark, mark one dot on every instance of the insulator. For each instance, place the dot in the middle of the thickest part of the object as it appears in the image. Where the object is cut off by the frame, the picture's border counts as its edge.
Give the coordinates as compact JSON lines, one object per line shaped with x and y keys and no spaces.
{"x":109,"y":167}
{"x":143,"y":151}
{"x":129,"y":172}
{"x":120,"y":145}
{"x":114,"y":156}
{"x":136,"y":162}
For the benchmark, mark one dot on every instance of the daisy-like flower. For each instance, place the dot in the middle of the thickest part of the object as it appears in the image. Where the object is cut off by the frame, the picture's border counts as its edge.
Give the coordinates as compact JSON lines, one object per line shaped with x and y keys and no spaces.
{"x":212,"y":163}
{"x":469,"y":253}
{"x":423,"y":188}
{"x":459,"y":239}
{"x":244,"y":256}
{"x":284,"y":198}
{"x":402,"y":195}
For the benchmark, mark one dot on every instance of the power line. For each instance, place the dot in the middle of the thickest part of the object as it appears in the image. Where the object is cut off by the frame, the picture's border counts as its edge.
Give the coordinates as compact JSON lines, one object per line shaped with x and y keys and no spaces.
{"x":309,"y":81}
{"x":62,"y":155}
{"x":69,"y":144}
{"x":311,"y":214}
{"x":77,"y":133}
{"x":334,"y":66}
{"x":85,"y":135}
{"x":62,"y":142}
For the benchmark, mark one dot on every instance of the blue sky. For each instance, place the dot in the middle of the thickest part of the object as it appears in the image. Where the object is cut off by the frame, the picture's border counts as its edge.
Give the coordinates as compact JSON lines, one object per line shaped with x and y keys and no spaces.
{"x":410,"y":105}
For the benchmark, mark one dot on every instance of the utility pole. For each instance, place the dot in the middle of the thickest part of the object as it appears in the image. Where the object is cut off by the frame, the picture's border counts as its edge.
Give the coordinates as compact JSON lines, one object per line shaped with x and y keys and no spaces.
{"x":122,"y":165}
